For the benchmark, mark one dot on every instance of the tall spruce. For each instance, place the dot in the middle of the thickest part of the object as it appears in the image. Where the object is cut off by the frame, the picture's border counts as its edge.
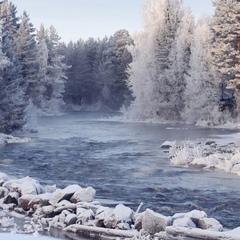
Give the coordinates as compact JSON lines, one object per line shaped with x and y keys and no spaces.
{"x":225,"y":51}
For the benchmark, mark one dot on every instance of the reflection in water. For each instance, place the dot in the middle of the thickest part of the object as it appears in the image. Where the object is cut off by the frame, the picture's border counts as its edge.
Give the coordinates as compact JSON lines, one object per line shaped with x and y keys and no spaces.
{"x":124,"y":163}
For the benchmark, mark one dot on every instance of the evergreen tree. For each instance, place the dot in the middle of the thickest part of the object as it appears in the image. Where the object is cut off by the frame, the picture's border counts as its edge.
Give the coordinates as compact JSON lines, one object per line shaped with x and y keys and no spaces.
{"x":56,"y":72}
{"x":160,"y":61}
{"x":42,"y":59}
{"x":26,"y":55}
{"x":13,"y":102}
{"x":114,"y":70}
{"x":225,"y":52}
{"x":202,"y":91}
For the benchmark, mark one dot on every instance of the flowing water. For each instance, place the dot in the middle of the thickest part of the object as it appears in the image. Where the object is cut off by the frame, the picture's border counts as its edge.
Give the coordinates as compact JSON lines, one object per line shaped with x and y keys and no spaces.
{"x":124,"y":163}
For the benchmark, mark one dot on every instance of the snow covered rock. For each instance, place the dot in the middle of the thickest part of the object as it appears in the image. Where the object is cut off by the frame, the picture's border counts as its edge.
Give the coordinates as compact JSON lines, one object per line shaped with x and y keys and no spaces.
{"x":83,"y":195}
{"x":210,"y":224}
{"x":64,"y":194}
{"x":167,"y":144}
{"x":3,"y":178}
{"x":3,"y":192}
{"x":70,"y":219}
{"x":121,"y":214}
{"x":24,"y":186}
{"x":64,"y":205}
{"x":84,"y":216}
{"x":101,"y":214}
{"x":154,"y":222}
{"x":12,"y":197}
{"x":29,"y":201}
{"x":194,"y":215}
{"x":184,"y":222}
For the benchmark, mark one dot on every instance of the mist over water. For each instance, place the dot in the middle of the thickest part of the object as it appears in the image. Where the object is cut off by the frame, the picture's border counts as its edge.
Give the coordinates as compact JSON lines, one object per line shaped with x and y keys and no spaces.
{"x":124,"y":163}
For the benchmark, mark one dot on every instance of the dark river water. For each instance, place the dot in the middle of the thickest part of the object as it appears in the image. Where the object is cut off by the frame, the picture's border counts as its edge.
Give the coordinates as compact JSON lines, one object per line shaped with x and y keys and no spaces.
{"x":124,"y":163}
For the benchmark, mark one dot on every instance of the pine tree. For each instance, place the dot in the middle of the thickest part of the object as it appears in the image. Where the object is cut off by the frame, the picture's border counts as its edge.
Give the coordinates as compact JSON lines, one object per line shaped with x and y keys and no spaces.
{"x":159,"y":65}
{"x":42,"y":59}
{"x":225,"y":52}
{"x":13,"y":102}
{"x":202,"y":91}
{"x":26,"y":55}
{"x":56,"y":72}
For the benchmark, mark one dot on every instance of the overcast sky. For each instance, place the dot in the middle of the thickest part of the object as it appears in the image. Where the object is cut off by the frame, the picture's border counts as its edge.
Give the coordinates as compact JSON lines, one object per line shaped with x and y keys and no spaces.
{"x":75,"y":19}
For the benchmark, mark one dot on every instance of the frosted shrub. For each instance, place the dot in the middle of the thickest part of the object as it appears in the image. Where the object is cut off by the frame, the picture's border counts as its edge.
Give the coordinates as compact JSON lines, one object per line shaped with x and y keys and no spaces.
{"x":181,"y":156}
{"x":185,"y":154}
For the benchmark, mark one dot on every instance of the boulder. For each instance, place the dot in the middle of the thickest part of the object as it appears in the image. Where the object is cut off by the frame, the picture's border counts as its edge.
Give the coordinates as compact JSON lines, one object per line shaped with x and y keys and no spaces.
{"x":85,"y":216}
{"x":3,"y":192}
{"x":70,"y":219}
{"x":12,"y":197}
{"x":194,"y":215}
{"x":154,"y":222}
{"x":3,"y":178}
{"x":167,"y":144}
{"x":121,"y":214}
{"x":24,"y":186}
{"x":83,"y":195}
{"x":64,"y":194}
{"x":184,"y":222}
{"x":210,"y":224}
{"x":29,"y":201}
{"x":101,"y":214}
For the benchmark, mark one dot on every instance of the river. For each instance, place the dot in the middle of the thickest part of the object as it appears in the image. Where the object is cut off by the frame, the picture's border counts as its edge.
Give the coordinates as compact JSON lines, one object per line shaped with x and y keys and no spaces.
{"x":124,"y":162}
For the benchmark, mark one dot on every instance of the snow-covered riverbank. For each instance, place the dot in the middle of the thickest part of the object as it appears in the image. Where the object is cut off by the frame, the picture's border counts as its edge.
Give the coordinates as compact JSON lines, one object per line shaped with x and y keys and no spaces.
{"x":74,"y":209}
{"x":208,"y":155}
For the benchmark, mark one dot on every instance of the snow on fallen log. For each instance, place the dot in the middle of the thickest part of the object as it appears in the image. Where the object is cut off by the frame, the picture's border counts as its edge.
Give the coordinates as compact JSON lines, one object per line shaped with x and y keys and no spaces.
{"x":202,"y":234}
{"x":102,"y":231}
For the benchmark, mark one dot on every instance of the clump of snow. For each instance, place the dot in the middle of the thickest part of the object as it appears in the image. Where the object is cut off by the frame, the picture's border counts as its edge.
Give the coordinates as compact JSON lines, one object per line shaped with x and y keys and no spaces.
{"x":208,"y":155}
{"x":4,"y":138}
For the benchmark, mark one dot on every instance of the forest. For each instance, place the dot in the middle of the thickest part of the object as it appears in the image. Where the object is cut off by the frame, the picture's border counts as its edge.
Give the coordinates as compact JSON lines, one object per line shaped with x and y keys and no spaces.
{"x":178,"y":69}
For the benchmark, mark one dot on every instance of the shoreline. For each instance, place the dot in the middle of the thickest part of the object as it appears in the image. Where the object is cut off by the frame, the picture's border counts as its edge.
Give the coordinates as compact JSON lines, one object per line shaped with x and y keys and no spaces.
{"x":73,"y":210}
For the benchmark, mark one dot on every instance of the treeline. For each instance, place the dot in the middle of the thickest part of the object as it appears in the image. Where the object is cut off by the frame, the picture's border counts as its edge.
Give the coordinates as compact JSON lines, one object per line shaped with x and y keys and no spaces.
{"x":98,"y":73}
{"x":186,"y":71}
{"x":32,"y":69}
{"x":176,"y":69}
{"x":41,"y":73}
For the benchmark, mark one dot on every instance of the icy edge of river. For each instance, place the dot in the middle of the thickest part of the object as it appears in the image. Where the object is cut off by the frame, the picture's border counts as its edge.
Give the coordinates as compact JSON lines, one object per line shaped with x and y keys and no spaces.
{"x":73,"y":209}
{"x":6,"y":138}
{"x":209,"y":155}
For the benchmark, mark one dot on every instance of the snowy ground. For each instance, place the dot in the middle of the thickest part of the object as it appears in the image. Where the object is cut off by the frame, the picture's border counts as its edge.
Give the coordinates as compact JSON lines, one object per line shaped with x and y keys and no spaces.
{"x":11,"y":236}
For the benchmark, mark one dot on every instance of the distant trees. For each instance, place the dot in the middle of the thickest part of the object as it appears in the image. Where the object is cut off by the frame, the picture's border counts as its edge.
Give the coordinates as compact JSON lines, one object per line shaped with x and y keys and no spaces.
{"x":98,"y":73}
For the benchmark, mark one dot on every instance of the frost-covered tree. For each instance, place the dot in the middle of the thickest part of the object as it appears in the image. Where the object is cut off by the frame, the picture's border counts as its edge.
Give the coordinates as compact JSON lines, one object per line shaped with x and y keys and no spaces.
{"x":42,"y":59}
{"x":114,"y":65}
{"x":202,"y":91}
{"x":26,"y":54}
{"x":225,"y":52}
{"x":160,"y":60}
{"x":13,"y":102}
{"x":56,"y":72}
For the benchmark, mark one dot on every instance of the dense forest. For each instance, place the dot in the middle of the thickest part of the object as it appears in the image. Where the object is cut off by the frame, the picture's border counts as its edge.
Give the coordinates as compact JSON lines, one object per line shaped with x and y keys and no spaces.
{"x":176,"y":70}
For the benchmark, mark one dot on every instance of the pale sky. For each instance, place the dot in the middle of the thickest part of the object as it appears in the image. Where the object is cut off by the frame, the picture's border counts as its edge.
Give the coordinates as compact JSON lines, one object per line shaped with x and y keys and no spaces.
{"x":75,"y":19}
